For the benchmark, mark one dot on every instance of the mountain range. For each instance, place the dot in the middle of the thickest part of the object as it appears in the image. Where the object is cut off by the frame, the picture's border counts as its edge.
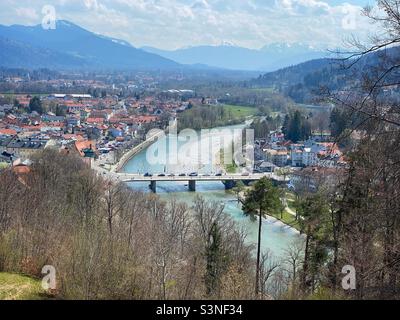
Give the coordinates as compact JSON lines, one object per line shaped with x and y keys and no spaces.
{"x":69,"y":47}
{"x":302,"y":81}
{"x":269,"y":58}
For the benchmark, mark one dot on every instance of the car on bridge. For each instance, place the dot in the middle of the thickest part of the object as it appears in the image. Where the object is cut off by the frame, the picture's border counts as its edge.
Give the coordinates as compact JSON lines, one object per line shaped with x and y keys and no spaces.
{"x":182,"y":175}
{"x":218,"y":175}
{"x":147,"y":174}
{"x":161,"y":175}
{"x":193,"y":174}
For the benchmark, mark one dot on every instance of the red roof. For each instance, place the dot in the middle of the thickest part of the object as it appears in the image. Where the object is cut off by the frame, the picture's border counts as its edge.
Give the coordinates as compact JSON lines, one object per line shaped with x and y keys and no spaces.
{"x":82,"y":145}
{"x":95,"y":120}
{"x":8,"y":132}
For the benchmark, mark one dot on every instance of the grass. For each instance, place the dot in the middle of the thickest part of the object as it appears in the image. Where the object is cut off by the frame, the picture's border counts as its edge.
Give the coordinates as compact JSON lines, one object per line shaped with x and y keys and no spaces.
{"x":12,"y":94}
{"x":291,"y":205}
{"x":240,"y":111}
{"x":19,"y":287}
{"x":288,"y":219}
{"x":3,"y":165}
{"x":230,"y":167}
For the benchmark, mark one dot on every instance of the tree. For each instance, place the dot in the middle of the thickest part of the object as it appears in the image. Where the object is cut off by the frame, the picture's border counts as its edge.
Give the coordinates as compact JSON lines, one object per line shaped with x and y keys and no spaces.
{"x":296,"y":127}
{"x":295,"y":132}
{"x":214,"y":257}
{"x":35,"y":105}
{"x":314,"y":223}
{"x":286,"y":125}
{"x":338,"y":122}
{"x":260,"y":200}
{"x":238,"y":189}
{"x":16,"y":103}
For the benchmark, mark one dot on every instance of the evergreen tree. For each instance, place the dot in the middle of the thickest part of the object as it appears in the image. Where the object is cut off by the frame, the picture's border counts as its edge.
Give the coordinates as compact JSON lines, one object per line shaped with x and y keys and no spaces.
{"x":338,"y":121}
{"x":262,"y":199}
{"x":35,"y":105}
{"x":214,"y":258}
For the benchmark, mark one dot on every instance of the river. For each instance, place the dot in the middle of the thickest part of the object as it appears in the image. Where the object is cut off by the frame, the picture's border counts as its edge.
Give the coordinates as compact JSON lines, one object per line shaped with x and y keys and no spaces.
{"x":276,"y":236}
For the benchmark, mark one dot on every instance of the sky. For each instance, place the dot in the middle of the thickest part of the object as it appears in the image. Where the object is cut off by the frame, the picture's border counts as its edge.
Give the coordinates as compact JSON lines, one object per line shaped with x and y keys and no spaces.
{"x":172,"y":24}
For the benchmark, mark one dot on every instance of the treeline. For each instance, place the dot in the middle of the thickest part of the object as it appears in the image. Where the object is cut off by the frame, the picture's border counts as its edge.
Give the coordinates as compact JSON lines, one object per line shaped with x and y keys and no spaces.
{"x":351,"y":219}
{"x":109,"y":242}
{"x":264,"y":125}
{"x":296,"y":127}
{"x":305,"y":82}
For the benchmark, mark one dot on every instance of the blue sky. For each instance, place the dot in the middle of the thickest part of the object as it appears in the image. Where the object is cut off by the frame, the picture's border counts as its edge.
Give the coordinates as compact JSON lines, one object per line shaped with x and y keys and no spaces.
{"x":171,"y":24}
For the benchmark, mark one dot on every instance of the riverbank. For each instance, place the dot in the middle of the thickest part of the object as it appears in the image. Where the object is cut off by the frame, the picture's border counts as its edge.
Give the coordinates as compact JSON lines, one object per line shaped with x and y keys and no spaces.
{"x":288,"y":216}
{"x":134,"y":151}
{"x":277,"y":236}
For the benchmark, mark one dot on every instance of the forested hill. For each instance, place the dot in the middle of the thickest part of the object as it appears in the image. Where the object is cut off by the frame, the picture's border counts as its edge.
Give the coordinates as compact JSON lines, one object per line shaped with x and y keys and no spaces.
{"x":304,"y":81}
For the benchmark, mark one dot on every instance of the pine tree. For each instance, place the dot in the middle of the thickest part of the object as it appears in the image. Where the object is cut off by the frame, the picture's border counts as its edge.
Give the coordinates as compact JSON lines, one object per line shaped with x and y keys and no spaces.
{"x":214,"y":258}
{"x":262,"y":199}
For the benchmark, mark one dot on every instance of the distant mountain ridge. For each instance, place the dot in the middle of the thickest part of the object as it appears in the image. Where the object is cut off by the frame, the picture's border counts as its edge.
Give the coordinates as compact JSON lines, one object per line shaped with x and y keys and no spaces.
{"x":70,"y":46}
{"x":269,"y":58}
{"x":302,"y":81}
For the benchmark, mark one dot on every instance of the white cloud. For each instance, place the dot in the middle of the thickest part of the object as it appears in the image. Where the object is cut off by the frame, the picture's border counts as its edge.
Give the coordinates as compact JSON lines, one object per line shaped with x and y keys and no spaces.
{"x":27,"y":13}
{"x":176,"y":23}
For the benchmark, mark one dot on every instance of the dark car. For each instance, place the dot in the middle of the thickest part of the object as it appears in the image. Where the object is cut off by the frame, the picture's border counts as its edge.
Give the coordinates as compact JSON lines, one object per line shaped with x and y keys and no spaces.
{"x":193,"y":174}
{"x":161,"y":175}
{"x":218,"y":175}
{"x":182,"y":175}
{"x":148,"y":174}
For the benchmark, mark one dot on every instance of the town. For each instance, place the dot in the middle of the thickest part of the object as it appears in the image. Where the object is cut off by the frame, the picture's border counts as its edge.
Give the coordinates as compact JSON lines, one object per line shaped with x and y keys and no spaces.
{"x":101,"y":128}
{"x":199,"y":150}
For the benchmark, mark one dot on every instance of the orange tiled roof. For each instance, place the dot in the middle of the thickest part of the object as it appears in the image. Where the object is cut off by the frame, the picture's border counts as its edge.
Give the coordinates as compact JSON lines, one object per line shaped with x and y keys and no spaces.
{"x":8,"y":132}
{"x":86,"y":144}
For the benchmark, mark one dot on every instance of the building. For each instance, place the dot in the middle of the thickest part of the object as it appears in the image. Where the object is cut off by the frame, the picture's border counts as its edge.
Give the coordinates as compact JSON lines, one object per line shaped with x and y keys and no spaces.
{"x":310,"y":179}
{"x":265,"y":166}
{"x":24,"y":148}
{"x":301,"y":156}
{"x":277,"y":157}
{"x":321,"y":136}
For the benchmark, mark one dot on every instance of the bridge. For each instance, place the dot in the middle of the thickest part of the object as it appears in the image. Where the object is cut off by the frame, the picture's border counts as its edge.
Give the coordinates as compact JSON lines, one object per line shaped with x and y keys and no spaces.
{"x":228,"y":179}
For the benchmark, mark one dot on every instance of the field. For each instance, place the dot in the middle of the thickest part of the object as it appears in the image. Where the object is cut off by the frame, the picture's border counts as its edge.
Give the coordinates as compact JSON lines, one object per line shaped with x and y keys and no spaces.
{"x":240,"y":111}
{"x":19,"y":287}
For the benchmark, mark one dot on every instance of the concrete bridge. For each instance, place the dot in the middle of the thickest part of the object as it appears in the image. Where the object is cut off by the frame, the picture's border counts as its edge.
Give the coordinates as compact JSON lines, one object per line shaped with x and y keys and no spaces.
{"x":228,"y":179}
